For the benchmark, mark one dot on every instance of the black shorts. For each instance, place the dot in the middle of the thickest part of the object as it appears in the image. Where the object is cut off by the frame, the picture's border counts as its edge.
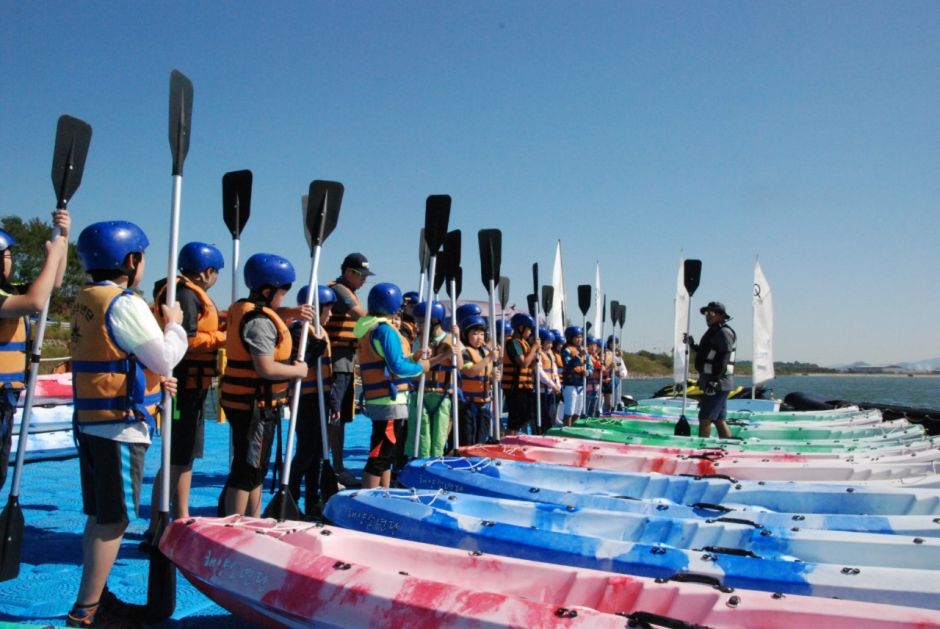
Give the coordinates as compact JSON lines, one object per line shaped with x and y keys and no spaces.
{"x":111,"y":475}
{"x":520,"y":407}
{"x":7,"y":413}
{"x":345,"y":387}
{"x":713,"y":407}
{"x":387,"y":436}
{"x":189,"y":429}
{"x":252,"y":438}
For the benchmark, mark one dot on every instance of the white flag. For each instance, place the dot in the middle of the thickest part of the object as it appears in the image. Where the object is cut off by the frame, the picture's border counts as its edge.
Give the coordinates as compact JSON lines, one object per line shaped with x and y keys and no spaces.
{"x":763,"y":327}
{"x":596,"y":330}
{"x":559,"y":301}
{"x":679,"y":357}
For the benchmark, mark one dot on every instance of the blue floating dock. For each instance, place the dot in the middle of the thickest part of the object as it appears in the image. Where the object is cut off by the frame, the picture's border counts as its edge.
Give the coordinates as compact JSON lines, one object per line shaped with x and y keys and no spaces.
{"x":51,"y":499}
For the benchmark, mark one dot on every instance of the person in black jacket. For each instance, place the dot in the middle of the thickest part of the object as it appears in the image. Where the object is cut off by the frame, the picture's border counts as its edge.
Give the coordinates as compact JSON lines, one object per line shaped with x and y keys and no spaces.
{"x":714,"y":361}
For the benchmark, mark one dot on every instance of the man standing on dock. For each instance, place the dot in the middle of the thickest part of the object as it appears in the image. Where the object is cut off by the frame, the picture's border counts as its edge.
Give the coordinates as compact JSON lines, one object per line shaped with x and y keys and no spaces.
{"x":714,"y":361}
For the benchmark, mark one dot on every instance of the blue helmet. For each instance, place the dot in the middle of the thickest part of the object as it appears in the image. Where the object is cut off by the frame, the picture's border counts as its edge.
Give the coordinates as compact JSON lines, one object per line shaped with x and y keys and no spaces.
{"x":593,"y":340}
{"x":325,"y":293}
{"x":103,"y":246}
{"x":384,"y":299}
{"x":471,"y":322}
{"x":467,"y":310}
{"x":196,"y":257}
{"x":613,"y":338}
{"x":6,"y":240}
{"x":267,"y":269}
{"x":572,"y":331}
{"x":546,"y":335}
{"x":410,"y":296}
{"x":559,"y":337}
{"x":521,"y":320}
{"x":507,"y":327}
{"x":437,"y":311}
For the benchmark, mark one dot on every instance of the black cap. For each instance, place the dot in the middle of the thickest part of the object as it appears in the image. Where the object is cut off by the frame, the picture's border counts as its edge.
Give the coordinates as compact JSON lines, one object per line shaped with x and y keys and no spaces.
{"x":358,"y":262}
{"x":715,"y":305}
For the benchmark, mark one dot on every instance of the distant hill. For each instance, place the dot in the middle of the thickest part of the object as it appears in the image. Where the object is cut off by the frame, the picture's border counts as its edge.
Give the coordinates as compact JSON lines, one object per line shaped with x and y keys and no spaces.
{"x":923,"y":365}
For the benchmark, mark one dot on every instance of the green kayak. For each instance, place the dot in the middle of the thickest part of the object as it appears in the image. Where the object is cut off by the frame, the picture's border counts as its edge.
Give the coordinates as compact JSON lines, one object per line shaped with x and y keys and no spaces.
{"x":759,"y":445}
{"x":669,"y":410}
{"x":764,"y":432}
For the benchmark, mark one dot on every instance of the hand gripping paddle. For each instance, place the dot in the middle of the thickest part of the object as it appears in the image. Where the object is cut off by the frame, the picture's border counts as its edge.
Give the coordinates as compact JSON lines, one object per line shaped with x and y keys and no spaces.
{"x":436,"y":217}
{"x":161,"y":581}
{"x":72,"y":139}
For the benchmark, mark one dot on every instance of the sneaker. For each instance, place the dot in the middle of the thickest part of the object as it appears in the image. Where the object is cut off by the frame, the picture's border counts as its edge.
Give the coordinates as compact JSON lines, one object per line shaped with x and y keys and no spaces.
{"x":347,"y":479}
{"x":99,"y":618}
{"x":113,"y":607}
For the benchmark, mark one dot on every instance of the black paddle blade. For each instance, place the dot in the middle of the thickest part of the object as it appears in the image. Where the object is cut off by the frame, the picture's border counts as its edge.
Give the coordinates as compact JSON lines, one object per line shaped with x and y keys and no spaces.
{"x":424,"y":254}
{"x":236,"y":200}
{"x":682,"y":429}
{"x":503,"y":289}
{"x":491,"y":251}
{"x":458,"y":282}
{"x":614,"y":312}
{"x":584,"y":298}
{"x":604,"y":311}
{"x":436,"y":217}
{"x":181,"y":114}
{"x":548,"y":296}
{"x":161,"y":580}
{"x":11,"y":546}
{"x":532,"y":301}
{"x":452,"y":254}
{"x":623,"y":315}
{"x":588,"y":326}
{"x":329,"y":484}
{"x":438,"y":279}
{"x":535,"y":278}
{"x":282,"y":507}
{"x":692,"y":270}
{"x":323,"y":202}
{"x":72,"y":138}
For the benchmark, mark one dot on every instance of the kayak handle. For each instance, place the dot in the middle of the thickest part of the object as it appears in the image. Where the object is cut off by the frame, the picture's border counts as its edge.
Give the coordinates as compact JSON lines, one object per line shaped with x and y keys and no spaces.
{"x":741,"y":521}
{"x":697,"y":578}
{"x":711,"y":507}
{"x":647,"y":620}
{"x":718,"y":476}
{"x":721,"y":550}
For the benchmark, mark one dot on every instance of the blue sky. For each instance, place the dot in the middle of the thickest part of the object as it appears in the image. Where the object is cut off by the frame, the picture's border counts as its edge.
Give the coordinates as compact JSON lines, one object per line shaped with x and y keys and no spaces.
{"x":805,"y":132}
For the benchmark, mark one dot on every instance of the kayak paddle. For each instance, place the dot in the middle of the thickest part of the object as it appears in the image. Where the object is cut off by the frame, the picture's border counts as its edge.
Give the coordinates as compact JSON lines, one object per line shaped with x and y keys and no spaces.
{"x":72,"y":139}
{"x":424,"y":258}
{"x":436,"y":217}
{"x":161,"y":581}
{"x":491,"y":250}
{"x":452,"y":274}
{"x":584,"y":304}
{"x":692,"y":275}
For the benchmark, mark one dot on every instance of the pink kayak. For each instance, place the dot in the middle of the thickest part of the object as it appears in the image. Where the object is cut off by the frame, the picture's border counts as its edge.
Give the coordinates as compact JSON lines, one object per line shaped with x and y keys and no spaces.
{"x":912,"y":452}
{"x":766,"y":469}
{"x":296,"y":574}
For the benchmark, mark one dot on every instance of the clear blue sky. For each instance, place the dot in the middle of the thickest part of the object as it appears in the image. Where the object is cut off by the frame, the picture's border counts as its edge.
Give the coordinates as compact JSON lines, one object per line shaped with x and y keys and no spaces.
{"x":806,"y":132}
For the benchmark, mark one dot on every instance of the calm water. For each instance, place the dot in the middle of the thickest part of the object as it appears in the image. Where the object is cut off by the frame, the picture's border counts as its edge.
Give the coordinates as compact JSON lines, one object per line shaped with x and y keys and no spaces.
{"x":919,"y":391}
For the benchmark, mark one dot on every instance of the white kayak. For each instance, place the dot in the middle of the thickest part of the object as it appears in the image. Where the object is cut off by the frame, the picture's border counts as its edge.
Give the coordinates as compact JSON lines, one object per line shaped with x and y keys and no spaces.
{"x":295,"y":574}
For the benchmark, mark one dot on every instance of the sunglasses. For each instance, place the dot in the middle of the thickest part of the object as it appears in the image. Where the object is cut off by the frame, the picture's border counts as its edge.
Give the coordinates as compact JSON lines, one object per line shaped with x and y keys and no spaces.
{"x":712,"y":313}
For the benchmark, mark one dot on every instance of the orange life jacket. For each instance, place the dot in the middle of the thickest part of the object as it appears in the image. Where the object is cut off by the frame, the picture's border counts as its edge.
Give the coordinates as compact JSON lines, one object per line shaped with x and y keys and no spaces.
{"x":340,"y":327}
{"x":477,"y":389}
{"x":515,"y":377}
{"x":242,"y":387}
{"x":14,"y":352}
{"x":109,"y":385}
{"x":377,"y":382}
{"x":198,"y":367}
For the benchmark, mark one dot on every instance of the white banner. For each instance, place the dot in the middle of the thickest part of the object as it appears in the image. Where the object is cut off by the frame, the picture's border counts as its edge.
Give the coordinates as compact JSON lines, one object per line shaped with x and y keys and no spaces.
{"x":679,"y":356}
{"x":763,"y":328}
{"x":560,"y":301}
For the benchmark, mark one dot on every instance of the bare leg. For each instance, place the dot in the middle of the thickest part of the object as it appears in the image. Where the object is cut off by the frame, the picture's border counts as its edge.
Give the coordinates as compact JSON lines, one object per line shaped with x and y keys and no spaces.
{"x":704,"y":427}
{"x":100,"y":546}
{"x":370,"y":481}
{"x":253,"y":509}
{"x":236,"y":501}
{"x":181,"y":477}
{"x":723,"y":430}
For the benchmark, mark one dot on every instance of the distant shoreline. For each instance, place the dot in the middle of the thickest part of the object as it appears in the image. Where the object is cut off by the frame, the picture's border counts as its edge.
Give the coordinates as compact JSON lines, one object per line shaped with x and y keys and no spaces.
{"x":912,"y":374}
